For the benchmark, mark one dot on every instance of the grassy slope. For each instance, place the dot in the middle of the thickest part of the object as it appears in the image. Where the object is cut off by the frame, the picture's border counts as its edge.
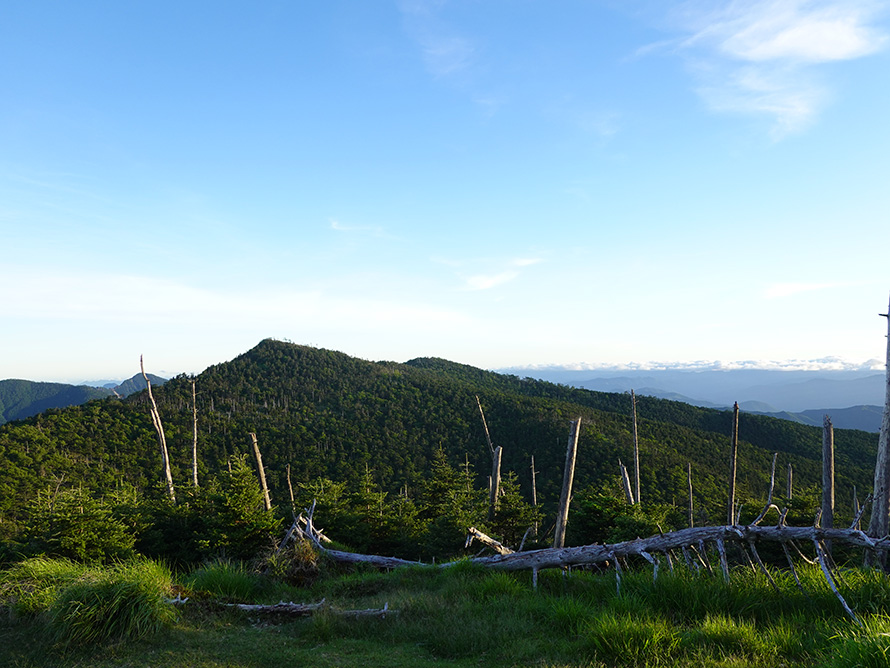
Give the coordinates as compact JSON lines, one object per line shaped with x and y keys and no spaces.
{"x":464,"y":616}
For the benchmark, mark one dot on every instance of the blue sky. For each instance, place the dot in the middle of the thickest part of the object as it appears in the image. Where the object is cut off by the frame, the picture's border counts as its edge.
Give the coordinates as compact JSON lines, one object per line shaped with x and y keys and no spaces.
{"x":497,"y":183}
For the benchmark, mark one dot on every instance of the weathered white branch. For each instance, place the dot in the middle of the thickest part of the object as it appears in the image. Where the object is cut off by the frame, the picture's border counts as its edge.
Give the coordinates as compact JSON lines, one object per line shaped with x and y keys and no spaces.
{"x":474,"y":534}
{"x":305,"y":609}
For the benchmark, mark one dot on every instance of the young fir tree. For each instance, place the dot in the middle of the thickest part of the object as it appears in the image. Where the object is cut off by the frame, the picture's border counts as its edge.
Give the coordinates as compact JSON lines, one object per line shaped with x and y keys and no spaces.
{"x":514,"y":515}
{"x":449,"y":504}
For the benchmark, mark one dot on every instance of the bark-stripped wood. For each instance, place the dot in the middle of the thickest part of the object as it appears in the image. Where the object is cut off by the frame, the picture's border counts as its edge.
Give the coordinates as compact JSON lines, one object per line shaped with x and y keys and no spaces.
{"x":689,"y":481}
{"x":826,"y":571}
{"x":790,"y":488}
{"x":625,"y":483}
{"x":633,"y":401}
{"x":494,"y":490}
{"x":290,"y":490}
{"x":769,"y":498}
{"x":565,"y":498}
{"x":194,"y":437}
{"x":267,"y":502}
{"x":534,"y":492}
{"x":827,"y":473}
{"x":494,"y":485}
{"x":730,"y":508}
{"x":291,"y":609}
{"x":159,"y":428}
{"x":474,"y":534}
{"x":880,"y":516}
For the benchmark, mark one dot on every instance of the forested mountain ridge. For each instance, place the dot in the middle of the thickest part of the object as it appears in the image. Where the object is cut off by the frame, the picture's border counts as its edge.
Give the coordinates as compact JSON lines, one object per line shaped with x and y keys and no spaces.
{"x":329,"y":415}
{"x":23,"y":398}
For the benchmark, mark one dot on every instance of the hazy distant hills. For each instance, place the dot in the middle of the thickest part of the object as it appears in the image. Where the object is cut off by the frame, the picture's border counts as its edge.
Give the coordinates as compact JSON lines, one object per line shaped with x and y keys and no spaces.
{"x":853,"y":398}
{"x":20,"y":399}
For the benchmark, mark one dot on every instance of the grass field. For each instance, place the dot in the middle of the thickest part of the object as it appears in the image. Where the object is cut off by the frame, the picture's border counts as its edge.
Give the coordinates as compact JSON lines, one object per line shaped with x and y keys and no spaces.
{"x":62,"y":615}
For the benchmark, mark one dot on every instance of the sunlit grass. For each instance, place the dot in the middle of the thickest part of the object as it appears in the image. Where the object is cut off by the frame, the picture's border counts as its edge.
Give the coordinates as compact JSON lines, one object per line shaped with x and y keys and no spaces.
{"x":122,"y":602}
{"x":458,"y":616}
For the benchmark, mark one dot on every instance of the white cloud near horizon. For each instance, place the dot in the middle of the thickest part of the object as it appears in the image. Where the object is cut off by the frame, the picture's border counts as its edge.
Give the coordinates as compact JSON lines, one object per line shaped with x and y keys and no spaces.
{"x":760,"y":57}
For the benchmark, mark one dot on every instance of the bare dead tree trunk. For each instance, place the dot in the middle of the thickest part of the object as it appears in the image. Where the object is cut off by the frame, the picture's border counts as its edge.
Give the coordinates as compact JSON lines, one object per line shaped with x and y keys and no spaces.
{"x":730,"y":510}
{"x":159,"y":428}
{"x":267,"y":502}
{"x":855,"y":507}
{"x":790,"y":481}
{"x":290,"y":489}
{"x":636,"y":499}
{"x":565,"y":499}
{"x":534,"y":491}
{"x":194,"y":436}
{"x":494,"y":486}
{"x":485,"y":426}
{"x":880,"y":513}
{"x":625,"y":483}
{"x":689,"y":480}
{"x":827,"y":473}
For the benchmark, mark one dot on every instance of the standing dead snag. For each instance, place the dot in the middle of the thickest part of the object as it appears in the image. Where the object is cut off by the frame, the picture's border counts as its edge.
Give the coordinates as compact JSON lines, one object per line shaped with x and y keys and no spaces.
{"x":636,"y":499}
{"x":194,"y":437}
{"x":689,"y":480}
{"x":880,"y":515}
{"x":565,"y":499}
{"x":625,"y":483}
{"x":494,"y":487}
{"x":267,"y":502}
{"x":730,"y":509}
{"x":159,"y":428}
{"x":827,"y":473}
{"x":534,"y":492}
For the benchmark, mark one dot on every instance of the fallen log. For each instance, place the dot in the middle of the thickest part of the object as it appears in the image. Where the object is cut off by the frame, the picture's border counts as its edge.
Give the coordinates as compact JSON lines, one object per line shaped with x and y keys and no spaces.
{"x":291,"y":609}
{"x":281,"y":608}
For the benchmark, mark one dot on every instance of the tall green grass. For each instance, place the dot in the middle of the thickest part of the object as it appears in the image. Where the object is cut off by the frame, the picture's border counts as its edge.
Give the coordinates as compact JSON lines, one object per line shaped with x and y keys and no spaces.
{"x":31,"y":586}
{"x":81,"y":605}
{"x":124,"y":602}
{"x":465,"y":615}
{"x":226,"y":580}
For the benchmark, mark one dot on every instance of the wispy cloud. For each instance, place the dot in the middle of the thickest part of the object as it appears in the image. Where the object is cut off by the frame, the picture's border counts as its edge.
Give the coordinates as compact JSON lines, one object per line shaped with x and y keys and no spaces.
{"x":761,"y":56}
{"x":373,"y":230}
{"x":488,"y":281}
{"x":444,"y":51}
{"x":509,"y":271}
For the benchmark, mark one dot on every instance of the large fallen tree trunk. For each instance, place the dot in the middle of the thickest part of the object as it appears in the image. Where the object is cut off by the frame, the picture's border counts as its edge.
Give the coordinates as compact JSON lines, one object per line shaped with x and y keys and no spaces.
{"x":693,"y":537}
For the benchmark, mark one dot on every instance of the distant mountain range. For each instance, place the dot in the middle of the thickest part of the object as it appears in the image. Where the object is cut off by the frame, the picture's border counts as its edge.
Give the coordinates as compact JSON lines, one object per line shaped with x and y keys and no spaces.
{"x":852,"y":397}
{"x":20,"y":399}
